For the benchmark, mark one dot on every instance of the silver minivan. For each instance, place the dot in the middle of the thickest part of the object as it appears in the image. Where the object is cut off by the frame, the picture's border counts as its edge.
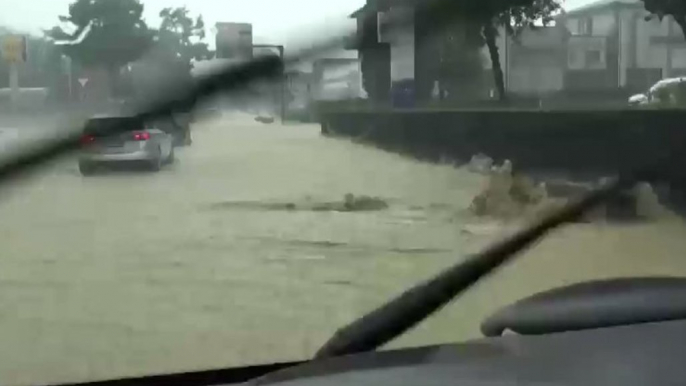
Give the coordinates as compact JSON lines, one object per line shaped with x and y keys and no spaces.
{"x":147,"y":146}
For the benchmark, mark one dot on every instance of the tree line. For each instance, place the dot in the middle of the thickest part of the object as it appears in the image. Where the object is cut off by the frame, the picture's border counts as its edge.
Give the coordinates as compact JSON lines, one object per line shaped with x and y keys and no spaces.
{"x":114,"y":34}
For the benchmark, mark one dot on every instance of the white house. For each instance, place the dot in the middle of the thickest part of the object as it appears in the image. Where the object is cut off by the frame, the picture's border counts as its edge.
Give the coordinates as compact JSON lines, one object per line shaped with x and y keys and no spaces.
{"x":604,"y":45}
{"x":531,"y":64}
{"x":616,"y":44}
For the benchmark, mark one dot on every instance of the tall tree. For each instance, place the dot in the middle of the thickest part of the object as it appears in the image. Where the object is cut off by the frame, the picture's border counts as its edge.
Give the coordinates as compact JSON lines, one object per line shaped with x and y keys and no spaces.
{"x":673,"y":8}
{"x":177,"y":43}
{"x":514,"y":16}
{"x":460,"y":63}
{"x":181,"y":37}
{"x":114,"y":34}
{"x":481,"y":20}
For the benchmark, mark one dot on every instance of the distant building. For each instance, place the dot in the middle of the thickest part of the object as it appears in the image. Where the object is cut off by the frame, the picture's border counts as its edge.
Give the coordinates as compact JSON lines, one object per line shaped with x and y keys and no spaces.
{"x":234,"y":41}
{"x":613,"y":44}
{"x":336,"y":79}
{"x":603,"y":46}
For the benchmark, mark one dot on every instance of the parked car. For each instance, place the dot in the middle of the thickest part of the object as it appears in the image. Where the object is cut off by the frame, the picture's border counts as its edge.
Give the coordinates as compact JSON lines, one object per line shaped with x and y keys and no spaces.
{"x":667,"y":93}
{"x":147,"y":146}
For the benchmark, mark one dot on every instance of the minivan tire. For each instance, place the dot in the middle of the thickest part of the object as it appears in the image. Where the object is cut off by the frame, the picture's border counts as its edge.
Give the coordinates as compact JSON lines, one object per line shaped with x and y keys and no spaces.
{"x":172,"y":157}
{"x":156,"y":164}
{"x":86,"y":168}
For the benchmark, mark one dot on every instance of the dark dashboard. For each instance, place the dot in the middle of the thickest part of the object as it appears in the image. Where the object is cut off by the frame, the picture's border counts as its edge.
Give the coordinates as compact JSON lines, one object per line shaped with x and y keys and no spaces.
{"x":609,"y":332}
{"x":642,"y":354}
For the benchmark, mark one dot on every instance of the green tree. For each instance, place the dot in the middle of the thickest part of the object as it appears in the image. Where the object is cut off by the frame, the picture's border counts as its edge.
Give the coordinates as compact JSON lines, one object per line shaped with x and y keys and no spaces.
{"x":115,"y":34}
{"x":180,"y":37}
{"x":478,"y":23}
{"x":460,"y":65}
{"x":673,"y":8}
{"x":515,"y":17}
{"x":177,"y":43}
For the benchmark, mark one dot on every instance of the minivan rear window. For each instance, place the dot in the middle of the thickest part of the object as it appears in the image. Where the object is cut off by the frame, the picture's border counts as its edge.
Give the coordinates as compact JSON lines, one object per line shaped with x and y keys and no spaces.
{"x":103,"y":125}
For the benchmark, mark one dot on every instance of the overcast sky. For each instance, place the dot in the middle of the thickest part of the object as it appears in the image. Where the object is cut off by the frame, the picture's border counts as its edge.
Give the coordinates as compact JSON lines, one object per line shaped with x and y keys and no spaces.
{"x":274,"y":21}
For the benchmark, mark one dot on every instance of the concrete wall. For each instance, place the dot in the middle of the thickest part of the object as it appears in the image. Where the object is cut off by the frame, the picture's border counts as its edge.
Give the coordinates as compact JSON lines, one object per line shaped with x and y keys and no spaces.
{"x":576,"y":142}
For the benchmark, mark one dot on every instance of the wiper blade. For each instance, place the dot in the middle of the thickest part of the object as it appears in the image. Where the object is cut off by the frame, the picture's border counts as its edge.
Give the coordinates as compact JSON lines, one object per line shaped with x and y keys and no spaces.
{"x":416,"y":304}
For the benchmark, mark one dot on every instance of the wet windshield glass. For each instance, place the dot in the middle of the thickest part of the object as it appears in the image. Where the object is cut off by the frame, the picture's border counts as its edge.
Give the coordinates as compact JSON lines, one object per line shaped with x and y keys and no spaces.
{"x":249,"y":229}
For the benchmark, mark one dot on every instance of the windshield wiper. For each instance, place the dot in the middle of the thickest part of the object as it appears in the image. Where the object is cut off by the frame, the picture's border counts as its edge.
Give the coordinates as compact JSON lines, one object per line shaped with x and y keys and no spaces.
{"x":416,"y":304}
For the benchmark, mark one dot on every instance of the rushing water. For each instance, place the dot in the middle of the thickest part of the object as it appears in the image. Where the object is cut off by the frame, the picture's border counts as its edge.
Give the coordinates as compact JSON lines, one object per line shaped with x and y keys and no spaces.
{"x":240,"y":253}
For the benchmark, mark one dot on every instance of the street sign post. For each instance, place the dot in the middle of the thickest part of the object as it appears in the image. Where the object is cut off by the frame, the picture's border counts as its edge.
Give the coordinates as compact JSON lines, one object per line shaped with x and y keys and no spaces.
{"x":83,"y":82}
{"x":14,"y":48}
{"x":14,"y":51}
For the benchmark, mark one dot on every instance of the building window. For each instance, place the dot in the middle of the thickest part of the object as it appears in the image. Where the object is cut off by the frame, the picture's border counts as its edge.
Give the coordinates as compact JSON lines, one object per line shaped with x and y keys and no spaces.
{"x":594,"y":58}
{"x":586,"y":26}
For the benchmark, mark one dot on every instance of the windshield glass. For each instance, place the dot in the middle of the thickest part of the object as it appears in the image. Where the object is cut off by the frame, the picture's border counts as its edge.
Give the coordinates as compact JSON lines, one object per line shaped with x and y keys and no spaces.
{"x":249,"y":229}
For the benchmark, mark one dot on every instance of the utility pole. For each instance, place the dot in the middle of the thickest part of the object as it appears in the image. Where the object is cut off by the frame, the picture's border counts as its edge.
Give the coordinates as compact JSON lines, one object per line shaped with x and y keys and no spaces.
{"x":66,"y":61}
{"x":282,"y":83}
{"x":14,"y":84}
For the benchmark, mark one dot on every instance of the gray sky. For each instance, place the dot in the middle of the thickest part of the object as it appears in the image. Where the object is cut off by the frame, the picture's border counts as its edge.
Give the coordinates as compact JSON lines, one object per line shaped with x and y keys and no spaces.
{"x":274,"y":21}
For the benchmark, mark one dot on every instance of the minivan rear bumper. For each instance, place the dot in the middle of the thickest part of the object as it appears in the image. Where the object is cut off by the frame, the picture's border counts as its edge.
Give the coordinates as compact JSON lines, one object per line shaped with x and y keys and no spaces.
{"x":139,"y":155}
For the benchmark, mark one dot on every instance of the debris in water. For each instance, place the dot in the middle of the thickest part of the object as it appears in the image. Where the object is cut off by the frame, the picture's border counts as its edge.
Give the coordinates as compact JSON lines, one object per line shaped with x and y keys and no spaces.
{"x":350,"y":203}
{"x":505,"y":195}
{"x":509,"y":195}
{"x":253,"y":205}
{"x":480,"y":163}
{"x":264,"y":119}
{"x":363,"y":203}
{"x":481,"y":229}
{"x":339,"y":282}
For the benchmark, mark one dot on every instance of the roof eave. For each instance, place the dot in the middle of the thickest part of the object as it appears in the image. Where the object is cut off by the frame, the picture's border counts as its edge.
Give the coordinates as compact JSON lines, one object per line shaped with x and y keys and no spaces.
{"x":597,"y":7}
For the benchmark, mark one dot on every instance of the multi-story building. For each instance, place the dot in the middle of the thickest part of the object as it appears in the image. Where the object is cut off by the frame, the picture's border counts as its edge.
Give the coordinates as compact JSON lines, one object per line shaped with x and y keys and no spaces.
{"x":603,"y":46}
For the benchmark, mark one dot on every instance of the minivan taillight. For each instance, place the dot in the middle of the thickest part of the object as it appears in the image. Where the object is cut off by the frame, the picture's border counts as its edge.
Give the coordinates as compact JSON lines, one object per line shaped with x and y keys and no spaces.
{"x":87,"y":139}
{"x":141,"y":136}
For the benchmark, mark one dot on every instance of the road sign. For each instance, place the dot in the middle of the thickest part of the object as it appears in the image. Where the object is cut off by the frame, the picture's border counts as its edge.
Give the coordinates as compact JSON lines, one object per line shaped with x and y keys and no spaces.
{"x":14,"y":48}
{"x":83,"y":81}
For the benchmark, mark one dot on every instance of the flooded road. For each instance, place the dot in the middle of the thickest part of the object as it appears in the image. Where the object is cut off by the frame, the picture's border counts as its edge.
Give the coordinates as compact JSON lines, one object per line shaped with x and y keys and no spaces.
{"x":224,"y":259}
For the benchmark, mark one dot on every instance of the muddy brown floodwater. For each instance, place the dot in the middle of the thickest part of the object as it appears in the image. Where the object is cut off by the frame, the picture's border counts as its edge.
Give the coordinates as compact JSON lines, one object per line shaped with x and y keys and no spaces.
{"x":223,"y":260}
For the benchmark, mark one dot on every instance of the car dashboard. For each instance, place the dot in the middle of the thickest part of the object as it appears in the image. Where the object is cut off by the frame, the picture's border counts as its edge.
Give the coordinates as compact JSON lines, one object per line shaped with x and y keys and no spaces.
{"x":642,"y":354}
{"x":626,"y":332}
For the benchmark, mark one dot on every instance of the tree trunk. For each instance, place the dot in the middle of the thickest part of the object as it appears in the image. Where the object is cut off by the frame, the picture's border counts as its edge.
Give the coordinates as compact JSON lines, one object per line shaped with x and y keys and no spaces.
{"x":496,"y":68}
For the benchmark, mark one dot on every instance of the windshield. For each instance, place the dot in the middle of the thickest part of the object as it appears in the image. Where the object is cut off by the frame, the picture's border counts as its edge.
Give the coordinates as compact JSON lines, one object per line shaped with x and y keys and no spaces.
{"x":251,"y":228}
